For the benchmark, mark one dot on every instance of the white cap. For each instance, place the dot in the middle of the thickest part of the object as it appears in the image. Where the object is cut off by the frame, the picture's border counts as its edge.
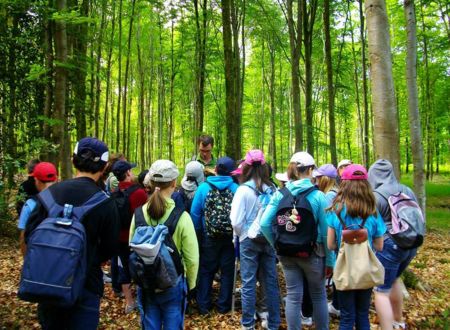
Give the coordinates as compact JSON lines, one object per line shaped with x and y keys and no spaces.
{"x":302,"y":159}
{"x":282,"y":177}
{"x":344,"y":162}
{"x":162,"y":170}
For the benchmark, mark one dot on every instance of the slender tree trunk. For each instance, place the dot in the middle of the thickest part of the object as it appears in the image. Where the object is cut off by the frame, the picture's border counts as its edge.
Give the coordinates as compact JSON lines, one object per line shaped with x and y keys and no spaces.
{"x":49,"y":84}
{"x":365,"y":92}
{"x":415,"y":126}
{"x":383,"y":98}
{"x":331,"y":118}
{"x":97,"y":70}
{"x":273,"y":145}
{"x":295,"y":43}
{"x":119,"y":79}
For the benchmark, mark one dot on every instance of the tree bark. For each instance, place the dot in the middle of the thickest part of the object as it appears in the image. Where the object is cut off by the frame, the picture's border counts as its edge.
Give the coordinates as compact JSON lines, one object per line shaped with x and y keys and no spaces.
{"x":415,"y":126}
{"x":331,"y":117}
{"x":119,"y":79}
{"x":383,"y":96}
{"x":365,"y":92}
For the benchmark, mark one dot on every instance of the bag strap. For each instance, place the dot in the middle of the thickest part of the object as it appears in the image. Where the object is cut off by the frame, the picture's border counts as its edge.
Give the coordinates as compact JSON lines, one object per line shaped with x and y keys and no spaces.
{"x":131,"y":189}
{"x":343,"y":223}
{"x":139,"y":218}
{"x":212,"y":186}
{"x":172,"y":220}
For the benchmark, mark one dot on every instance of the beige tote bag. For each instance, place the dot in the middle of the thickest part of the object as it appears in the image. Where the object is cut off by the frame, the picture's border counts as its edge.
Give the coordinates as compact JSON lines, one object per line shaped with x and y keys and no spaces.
{"x":357,"y":267}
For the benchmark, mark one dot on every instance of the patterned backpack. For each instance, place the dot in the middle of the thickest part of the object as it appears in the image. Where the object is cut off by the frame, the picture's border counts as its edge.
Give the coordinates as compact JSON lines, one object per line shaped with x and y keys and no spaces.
{"x":217,"y":212}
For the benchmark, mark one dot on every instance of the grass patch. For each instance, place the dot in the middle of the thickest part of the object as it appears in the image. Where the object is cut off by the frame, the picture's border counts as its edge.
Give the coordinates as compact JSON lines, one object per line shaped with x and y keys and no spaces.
{"x":438,"y":219}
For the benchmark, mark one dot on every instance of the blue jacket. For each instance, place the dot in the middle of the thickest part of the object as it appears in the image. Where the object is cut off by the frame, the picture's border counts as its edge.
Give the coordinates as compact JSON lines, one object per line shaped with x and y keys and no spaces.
{"x":198,"y":204}
{"x":318,"y":203}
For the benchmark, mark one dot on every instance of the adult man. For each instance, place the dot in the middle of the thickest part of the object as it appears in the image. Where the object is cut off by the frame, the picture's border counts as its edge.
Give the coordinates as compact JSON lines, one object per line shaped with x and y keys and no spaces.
{"x":44,"y":175}
{"x":205,"y":145}
{"x":136,"y":197}
{"x":101,"y":225}
{"x":210,"y":212}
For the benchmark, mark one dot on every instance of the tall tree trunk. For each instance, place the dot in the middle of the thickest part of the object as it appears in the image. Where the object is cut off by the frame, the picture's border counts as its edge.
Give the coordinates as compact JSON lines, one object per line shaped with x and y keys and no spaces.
{"x":273,"y":145}
{"x":119,"y":79}
{"x":141,"y":119}
{"x":365,"y":92}
{"x":97,"y":70}
{"x":61,"y":90}
{"x":383,"y":98}
{"x":125,"y":89}
{"x":415,"y":126}
{"x":48,"y":47}
{"x":308,"y":19}
{"x":331,"y":118}
{"x":295,"y":44}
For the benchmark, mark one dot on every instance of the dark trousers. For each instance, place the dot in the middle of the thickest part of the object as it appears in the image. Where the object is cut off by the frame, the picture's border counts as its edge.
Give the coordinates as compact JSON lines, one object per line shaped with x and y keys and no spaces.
{"x":354,"y":306}
{"x":215,"y":255}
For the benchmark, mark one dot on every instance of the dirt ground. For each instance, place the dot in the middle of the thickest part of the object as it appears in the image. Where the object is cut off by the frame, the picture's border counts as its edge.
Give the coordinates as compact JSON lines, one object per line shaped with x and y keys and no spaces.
{"x":428,"y":306}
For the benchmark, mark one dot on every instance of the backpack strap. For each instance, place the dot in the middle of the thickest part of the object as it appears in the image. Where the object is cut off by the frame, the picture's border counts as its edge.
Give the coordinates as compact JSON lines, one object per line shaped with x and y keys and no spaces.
{"x":212,"y":186}
{"x":131,"y":189}
{"x":139,"y":218}
{"x":99,"y":197}
{"x":257,"y":192}
{"x":343,"y":223}
{"x":47,"y":200}
{"x":172,"y":220}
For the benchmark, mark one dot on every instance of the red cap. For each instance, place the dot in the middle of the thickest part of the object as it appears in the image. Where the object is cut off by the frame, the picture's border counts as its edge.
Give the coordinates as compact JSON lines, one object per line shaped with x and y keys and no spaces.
{"x":45,"y":172}
{"x":354,"y":172}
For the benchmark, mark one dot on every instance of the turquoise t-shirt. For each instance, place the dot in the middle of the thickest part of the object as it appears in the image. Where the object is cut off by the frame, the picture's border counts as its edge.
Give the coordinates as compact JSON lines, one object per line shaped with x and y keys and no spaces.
{"x":27,"y":208}
{"x":375,"y":225}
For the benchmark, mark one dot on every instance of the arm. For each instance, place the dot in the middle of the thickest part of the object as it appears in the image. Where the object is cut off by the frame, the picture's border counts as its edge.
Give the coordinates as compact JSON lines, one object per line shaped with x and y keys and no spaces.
{"x":197,"y":207}
{"x":109,"y":231}
{"x":380,"y":230}
{"x":238,"y":211}
{"x":321,"y":204}
{"x":188,"y":247}
{"x":331,"y":239}
{"x":378,"y":243}
{"x":268,"y":216}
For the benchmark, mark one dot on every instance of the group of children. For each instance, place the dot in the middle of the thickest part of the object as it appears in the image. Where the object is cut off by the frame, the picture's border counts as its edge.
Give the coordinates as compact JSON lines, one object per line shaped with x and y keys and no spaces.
{"x":239,"y":212}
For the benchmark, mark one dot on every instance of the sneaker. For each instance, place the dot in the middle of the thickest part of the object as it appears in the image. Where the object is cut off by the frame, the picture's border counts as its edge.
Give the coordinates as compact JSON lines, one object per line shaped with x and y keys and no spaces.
{"x":398,"y":325}
{"x":130,"y":308}
{"x":263,"y":316}
{"x":250,"y":327}
{"x":106,"y":278}
{"x":333,"y":310}
{"x":306,"y":320}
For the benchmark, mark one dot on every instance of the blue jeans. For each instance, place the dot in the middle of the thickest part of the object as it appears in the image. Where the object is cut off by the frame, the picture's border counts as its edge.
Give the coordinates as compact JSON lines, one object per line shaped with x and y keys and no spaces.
{"x":295,"y":271}
{"x":354,"y":306}
{"x":215,"y":254}
{"x":260,"y":256}
{"x":83,"y":315}
{"x":163,"y":310}
{"x":395,"y":260}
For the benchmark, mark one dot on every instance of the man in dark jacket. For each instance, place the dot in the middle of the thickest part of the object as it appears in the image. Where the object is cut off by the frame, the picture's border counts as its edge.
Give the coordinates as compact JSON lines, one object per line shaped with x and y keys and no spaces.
{"x":389,"y":296}
{"x":102,"y":232}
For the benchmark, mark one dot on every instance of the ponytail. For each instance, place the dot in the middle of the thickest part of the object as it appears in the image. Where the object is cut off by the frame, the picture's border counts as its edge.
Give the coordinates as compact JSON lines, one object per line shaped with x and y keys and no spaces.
{"x":157,"y":204}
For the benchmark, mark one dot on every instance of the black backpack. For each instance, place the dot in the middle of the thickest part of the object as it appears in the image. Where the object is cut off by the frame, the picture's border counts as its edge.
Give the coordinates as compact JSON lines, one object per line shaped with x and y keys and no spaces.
{"x":295,"y":235}
{"x":163,"y":272}
{"x":122,"y":200}
{"x":186,"y":200}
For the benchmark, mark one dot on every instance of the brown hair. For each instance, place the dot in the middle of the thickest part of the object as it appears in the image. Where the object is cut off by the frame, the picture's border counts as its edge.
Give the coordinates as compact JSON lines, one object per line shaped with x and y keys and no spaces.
{"x":357,"y":197}
{"x":157,"y":204}
{"x":259,"y":173}
{"x":325,"y":183}
{"x":294,"y":172}
{"x":205,"y":140}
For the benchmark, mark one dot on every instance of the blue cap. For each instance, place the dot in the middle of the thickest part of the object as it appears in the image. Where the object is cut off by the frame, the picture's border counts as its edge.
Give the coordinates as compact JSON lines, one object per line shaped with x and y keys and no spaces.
{"x":121,"y":166}
{"x":93,"y":149}
{"x":225,"y":165}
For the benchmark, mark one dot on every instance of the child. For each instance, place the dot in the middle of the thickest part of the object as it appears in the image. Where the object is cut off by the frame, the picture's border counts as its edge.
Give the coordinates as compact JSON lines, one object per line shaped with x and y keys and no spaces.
{"x":165,"y":310}
{"x":255,"y":254}
{"x":355,"y":206}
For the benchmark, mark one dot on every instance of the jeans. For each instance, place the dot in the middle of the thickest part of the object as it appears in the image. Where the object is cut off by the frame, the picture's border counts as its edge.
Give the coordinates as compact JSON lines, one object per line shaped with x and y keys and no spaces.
{"x":260,"y":256}
{"x":83,"y":315}
{"x":163,"y":310}
{"x":215,"y":254}
{"x":295,"y":271}
{"x":395,"y":260}
{"x":354,"y":306}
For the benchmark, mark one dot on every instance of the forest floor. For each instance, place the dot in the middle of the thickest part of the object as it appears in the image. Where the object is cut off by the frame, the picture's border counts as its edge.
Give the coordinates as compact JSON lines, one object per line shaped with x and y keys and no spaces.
{"x":428,"y":305}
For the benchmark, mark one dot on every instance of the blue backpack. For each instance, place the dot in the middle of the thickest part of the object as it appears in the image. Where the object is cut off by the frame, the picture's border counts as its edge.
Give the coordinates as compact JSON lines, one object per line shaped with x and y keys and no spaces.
{"x":55,"y":265}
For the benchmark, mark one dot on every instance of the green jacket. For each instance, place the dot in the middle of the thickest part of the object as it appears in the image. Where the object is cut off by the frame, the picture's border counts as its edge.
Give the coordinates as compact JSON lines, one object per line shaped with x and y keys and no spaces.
{"x":184,"y":238}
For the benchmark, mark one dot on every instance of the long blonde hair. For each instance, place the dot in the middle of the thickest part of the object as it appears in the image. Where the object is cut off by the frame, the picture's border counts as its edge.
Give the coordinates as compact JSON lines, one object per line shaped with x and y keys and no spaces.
{"x":325,"y":183}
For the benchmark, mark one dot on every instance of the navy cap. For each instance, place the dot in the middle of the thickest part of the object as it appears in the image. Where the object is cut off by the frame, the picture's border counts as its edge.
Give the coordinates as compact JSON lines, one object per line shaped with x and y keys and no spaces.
{"x":93,"y":149}
{"x":121,"y":166}
{"x":225,"y":165}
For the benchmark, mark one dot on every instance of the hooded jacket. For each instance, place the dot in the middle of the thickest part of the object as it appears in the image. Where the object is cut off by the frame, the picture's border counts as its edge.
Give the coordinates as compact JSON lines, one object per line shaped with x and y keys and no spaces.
{"x":384,"y":183}
{"x":198,"y":204}
{"x":318,"y":203}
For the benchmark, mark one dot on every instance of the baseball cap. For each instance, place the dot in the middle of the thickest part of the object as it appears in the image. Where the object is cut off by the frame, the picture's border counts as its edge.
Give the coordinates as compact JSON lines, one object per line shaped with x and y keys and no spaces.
{"x":92,"y":148}
{"x":254,"y":156}
{"x":302,"y":159}
{"x":162,"y":170}
{"x":121,"y":166}
{"x":354,"y":172}
{"x":193,"y":173}
{"x":238,"y":171}
{"x":45,"y":172}
{"x":225,"y":165}
{"x":325,"y":170}
{"x":344,"y":162}
{"x":283,"y":177}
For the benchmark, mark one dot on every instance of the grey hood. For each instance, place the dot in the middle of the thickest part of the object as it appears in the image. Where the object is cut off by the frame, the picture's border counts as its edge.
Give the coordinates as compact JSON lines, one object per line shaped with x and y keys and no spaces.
{"x":381,"y":173}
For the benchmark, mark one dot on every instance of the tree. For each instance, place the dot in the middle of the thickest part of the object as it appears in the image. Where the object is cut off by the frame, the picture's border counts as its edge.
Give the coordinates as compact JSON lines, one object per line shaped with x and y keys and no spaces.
{"x":413,"y":103}
{"x":386,"y":134}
